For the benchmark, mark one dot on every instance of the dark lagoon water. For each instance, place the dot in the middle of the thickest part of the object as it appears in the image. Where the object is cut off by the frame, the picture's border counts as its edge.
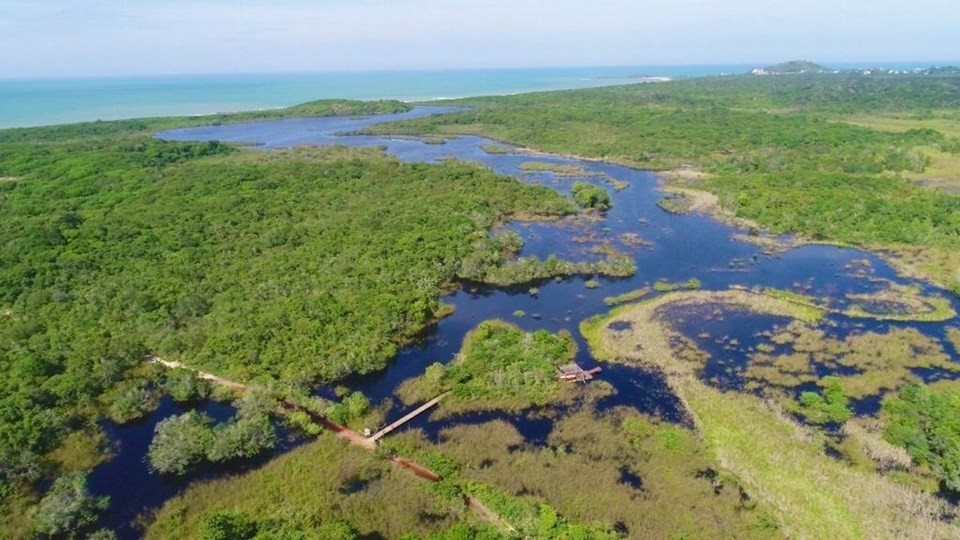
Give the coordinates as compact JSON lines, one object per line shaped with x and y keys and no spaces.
{"x":677,"y":248}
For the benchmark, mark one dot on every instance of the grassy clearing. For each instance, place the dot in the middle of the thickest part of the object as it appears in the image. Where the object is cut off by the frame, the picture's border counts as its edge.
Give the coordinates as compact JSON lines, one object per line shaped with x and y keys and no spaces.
{"x":946,"y":123}
{"x":944,"y":168}
{"x":326,"y":480}
{"x":778,"y":462}
{"x":80,"y":451}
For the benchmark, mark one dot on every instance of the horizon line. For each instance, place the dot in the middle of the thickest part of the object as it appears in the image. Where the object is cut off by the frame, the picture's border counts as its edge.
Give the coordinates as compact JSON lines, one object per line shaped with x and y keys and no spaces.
{"x":865,"y":64}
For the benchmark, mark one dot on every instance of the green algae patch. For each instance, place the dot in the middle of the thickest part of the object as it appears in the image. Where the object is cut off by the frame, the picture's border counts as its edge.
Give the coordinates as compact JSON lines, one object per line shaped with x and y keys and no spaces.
{"x":778,"y":462}
{"x":900,"y":303}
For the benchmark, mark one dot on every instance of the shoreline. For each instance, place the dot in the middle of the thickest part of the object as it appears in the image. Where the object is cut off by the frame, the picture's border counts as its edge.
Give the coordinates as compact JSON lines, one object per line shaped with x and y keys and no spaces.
{"x":45,"y":97}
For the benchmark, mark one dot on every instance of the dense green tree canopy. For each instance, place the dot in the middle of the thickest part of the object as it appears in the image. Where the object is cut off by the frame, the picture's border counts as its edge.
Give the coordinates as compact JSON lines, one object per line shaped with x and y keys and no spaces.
{"x":290,"y":266}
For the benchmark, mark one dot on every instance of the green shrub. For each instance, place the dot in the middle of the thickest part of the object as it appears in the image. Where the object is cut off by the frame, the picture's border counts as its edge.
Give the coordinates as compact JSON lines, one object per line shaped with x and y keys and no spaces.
{"x":351,"y":407}
{"x":183,"y":385}
{"x":136,"y":402}
{"x":245,"y":437}
{"x":238,"y":526}
{"x":830,"y":405}
{"x":68,"y":507}
{"x":301,"y":421}
{"x":588,"y":195}
{"x":927,"y":424}
{"x":180,"y":443}
{"x":227,"y":526}
{"x":501,"y":362}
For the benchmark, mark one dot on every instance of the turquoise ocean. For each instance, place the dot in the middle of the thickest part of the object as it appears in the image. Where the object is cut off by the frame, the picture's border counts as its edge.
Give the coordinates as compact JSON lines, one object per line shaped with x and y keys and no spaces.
{"x":32,"y":102}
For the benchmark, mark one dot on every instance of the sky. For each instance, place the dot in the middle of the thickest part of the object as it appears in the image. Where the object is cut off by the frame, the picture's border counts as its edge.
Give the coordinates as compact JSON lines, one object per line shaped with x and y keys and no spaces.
{"x":50,"y":38}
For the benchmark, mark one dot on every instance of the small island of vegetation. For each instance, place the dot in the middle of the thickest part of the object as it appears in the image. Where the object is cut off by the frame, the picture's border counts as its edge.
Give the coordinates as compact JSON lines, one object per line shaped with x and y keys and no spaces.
{"x":499,"y":367}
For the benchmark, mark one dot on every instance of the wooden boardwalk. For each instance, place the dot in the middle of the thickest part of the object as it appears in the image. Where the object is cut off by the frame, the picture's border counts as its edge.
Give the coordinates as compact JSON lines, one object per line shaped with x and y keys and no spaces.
{"x":367,"y":443}
{"x":407,"y":417}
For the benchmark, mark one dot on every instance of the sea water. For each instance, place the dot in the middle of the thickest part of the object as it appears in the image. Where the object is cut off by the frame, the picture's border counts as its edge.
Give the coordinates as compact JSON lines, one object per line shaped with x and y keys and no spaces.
{"x":33,"y":102}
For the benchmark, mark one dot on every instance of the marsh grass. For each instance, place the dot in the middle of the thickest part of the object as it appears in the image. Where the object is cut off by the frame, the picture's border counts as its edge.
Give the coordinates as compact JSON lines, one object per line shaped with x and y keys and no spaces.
{"x":675,"y":203}
{"x":634,"y":240}
{"x":664,"y":286}
{"x":953,"y":336}
{"x":796,"y":298}
{"x":496,"y":149}
{"x":326,"y":479}
{"x":626,"y":297}
{"x":778,"y":462}
{"x":558,"y":169}
{"x":900,"y":303}
{"x":80,"y":451}
{"x":580,"y":473}
{"x":881,"y":362}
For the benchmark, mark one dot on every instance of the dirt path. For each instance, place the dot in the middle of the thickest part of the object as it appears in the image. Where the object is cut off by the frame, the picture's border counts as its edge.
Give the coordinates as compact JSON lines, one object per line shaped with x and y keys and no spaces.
{"x":233,"y":385}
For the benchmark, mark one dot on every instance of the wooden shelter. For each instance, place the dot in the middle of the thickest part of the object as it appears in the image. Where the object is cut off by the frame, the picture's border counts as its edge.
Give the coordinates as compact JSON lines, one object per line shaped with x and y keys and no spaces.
{"x":573,"y":372}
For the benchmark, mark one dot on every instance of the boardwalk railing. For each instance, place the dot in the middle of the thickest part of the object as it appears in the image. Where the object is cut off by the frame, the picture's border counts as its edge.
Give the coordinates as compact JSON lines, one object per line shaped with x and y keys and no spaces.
{"x":407,"y":417}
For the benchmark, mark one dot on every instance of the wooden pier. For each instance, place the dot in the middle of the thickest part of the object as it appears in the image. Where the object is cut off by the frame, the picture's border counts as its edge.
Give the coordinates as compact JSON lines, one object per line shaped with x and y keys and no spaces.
{"x":407,"y":417}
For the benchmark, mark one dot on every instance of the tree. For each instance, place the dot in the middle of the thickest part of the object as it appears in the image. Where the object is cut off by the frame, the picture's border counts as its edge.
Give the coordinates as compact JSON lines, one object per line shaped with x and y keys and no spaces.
{"x":352,"y":406}
{"x":590,"y":196}
{"x":927,"y":424}
{"x":255,"y":402}
{"x":245,"y":437}
{"x":135,"y":403}
{"x":180,"y":442}
{"x":184,"y":385}
{"x":68,"y":506}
